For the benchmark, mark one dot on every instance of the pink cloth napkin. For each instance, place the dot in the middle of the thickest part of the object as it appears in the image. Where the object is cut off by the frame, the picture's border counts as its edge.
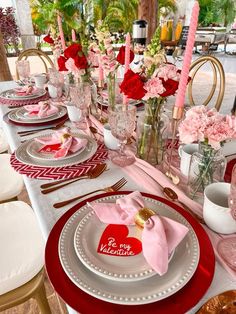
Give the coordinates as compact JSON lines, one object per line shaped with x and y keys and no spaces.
{"x":68,"y":143}
{"x":160,"y":235}
{"x":42,"y":109}
{"x":25,"y":90}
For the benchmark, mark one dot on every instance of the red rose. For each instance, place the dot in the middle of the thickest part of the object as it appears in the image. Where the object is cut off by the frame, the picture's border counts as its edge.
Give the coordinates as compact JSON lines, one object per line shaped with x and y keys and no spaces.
{"x":81,"y":62}
{"x":48,"y":39}
{"x":61,"y":63}
{"x":170,"y":86}
{"x":121,"y":56}
{"x":132,"y":85}
{"x":72,"y":51}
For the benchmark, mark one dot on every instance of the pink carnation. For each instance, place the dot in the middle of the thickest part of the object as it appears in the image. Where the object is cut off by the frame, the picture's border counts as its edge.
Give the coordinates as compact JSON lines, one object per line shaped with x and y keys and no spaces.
{"x":154,"y":88}
{"x":168,"y":71}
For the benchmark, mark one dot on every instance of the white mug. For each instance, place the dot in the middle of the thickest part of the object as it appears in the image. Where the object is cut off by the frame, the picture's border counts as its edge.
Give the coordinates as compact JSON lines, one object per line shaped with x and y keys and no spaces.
{"x":185,"y":153}
{"x":40,"y":80}
{"x":109,"y":140}
{"x":216,"y":211}
{"x":74,"y":113}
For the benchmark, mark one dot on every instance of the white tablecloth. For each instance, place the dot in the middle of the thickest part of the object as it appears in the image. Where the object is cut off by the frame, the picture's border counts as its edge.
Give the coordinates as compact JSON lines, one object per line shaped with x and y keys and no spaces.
{"x":47,"y":215}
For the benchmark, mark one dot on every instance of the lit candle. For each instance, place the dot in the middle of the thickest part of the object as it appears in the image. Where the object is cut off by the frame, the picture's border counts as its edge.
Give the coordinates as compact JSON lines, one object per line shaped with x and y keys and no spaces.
{"x":127,"y":61}
{"x":73,"y":35}
{"x":187,"y":57}
{"x":59,"y":22}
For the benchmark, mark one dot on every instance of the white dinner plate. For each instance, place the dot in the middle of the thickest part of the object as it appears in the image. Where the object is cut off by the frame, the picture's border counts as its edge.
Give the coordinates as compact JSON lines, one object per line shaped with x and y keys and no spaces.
{"x":23,"y":114}
{"x":11,"y":94}
{"x":34,"y":150}
{"x":22,"y":153}
{"x":14,"y":116}
{"x":181,"y":267}
{"x":86,"y":242}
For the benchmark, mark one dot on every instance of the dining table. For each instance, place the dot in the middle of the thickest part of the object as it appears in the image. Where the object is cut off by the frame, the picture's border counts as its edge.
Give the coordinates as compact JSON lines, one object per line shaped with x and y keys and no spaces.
{"x":47,"y":216}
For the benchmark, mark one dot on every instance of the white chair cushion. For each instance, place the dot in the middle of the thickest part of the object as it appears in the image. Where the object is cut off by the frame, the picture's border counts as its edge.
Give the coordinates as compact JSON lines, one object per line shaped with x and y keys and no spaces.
{"x":21,"y":245}
{"x":3,"y":142}
{"x":11,"y":182}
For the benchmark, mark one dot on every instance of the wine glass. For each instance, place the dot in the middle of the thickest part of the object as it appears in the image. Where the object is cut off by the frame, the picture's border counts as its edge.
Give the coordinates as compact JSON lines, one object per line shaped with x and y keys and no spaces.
{"x":81,"y":96}
{"x":23,"y":69}
{"x":122,"y":120}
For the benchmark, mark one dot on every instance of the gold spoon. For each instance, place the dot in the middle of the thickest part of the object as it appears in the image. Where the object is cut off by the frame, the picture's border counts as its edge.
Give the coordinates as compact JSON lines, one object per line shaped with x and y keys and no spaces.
{"x":172,"y":195}
{"x":95,"y":131}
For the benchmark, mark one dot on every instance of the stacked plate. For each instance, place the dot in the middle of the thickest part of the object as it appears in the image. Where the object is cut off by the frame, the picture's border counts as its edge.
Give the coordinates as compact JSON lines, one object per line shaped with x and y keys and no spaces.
{"x":31,"y":153}
{"x":123,"y":279}
{"x":14,"y":94}
{"x":21,"y":116}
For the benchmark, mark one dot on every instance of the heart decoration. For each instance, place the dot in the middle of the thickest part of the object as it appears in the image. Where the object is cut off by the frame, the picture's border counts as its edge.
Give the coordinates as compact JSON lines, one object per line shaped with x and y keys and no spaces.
{"x":115,"y":241}
{"x":50,"y":148}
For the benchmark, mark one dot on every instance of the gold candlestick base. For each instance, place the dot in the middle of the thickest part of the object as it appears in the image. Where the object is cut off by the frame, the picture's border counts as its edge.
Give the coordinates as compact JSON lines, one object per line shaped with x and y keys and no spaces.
{"x":177,"y":114}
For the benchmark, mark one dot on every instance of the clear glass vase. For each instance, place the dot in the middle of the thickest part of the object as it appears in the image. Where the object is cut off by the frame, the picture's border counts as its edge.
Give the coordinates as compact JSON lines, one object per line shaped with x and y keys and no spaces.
{"x":111,"y":89}
{"x":206,"y":166}
{"x":151,"y":132}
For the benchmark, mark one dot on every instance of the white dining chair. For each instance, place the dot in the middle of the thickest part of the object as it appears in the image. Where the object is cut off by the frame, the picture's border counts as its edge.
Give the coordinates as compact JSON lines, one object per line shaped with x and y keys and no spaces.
{"x":11,"y":182}
{"x":22,"y":257}
{"x":3,"y":142}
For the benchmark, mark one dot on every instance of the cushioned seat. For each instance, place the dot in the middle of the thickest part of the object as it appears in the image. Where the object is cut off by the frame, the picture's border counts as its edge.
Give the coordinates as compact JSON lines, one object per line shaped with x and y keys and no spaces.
{"x":11,"y":182}
{"x":22,"y":257}
{"x":3,"y":142}
{"x":21,"y":245}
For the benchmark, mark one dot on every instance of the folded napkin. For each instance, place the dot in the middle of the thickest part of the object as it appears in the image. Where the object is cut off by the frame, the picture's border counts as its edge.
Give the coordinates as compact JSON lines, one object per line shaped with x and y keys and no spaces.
{"x":42,"y":109}
{"x":67,"y":143}
{"x":25,"y":90}
{"x":160,"y":235}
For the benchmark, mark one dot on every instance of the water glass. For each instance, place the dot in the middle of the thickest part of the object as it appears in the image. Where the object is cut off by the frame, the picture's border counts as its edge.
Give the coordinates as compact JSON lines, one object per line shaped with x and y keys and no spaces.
{"x":232,"y":195}
{"x":122,"y":120}
{"x":55,"y":84}
{"x":80,"y":95}
{"x":23,"y":69}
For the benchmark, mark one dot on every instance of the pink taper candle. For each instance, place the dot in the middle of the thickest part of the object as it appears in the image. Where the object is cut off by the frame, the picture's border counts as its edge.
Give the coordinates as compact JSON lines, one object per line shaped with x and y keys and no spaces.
{"x":127,"y":60}
{"x":59,"y":22}
{"x":73,"y":35}
{"x":180,"y":98}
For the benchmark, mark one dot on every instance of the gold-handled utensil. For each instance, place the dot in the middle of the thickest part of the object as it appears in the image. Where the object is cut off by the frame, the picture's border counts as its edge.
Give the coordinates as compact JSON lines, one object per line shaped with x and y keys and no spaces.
{"x":29,"y":132}
{"x":113,"y":188}
{"x":94,"y":173}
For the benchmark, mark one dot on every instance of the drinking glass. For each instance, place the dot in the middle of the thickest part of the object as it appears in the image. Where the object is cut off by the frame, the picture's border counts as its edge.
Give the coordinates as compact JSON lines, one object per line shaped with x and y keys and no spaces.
{"x":122,"y":120}
{"x":23,"y":69}
{"x":55,"y":84}
{"x":81,"y":96}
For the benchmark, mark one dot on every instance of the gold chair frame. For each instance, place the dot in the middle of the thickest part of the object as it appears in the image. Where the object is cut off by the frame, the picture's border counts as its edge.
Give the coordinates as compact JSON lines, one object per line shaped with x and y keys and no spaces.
{"x":32,"y":289}
{"x":216,"y":67}
{"x":35,"y":52}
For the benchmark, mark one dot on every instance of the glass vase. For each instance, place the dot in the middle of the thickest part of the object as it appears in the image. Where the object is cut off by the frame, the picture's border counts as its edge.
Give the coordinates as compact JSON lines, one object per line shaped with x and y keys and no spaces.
{"x":111,"y":89}
{"x":206,"y":166}
{"x":151,"y":130}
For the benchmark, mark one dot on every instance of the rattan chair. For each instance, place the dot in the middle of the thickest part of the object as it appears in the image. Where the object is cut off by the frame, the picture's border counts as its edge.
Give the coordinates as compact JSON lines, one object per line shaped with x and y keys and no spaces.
{"x":47,"y":62}
{"x":218,"y":76}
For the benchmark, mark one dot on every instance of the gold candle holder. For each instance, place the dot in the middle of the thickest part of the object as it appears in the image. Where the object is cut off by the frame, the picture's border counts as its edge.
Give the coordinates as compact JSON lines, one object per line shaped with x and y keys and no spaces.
{"x":177,"y":114}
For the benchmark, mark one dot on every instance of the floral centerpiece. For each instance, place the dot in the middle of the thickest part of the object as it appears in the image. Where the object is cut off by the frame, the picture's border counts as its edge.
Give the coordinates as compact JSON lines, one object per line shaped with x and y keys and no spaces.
{"x":55,"y":44}
{"x":152,"y":82}
{"x":211,"y":129}
{"x":109,"y":61}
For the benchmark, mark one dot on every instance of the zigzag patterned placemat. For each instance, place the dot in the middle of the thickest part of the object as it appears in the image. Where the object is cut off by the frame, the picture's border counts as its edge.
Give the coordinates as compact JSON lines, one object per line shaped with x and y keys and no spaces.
{"x":57,"y":173}
{"x":22,"y":102}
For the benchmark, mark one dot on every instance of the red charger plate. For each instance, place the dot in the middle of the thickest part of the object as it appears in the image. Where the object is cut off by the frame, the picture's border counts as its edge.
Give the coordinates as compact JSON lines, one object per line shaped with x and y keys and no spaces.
{"x":52,"y":122}
{"x":178,"y":303}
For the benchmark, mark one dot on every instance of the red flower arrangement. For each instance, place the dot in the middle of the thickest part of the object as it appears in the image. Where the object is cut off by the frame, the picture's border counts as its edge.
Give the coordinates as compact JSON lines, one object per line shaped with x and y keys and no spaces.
{"x":73,"y":59}
{"x":48,"y":39}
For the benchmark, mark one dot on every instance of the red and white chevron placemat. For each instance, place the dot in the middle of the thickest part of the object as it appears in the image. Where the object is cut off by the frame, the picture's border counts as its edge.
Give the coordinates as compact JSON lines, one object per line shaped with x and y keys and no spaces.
{"x":45,"y":173}
{"x":22,"y":102}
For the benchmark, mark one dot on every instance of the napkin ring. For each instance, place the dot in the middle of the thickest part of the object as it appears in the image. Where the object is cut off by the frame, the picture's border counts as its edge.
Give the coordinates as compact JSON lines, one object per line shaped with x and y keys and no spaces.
{"x":142,"y":216}
{"x":64,"y":137}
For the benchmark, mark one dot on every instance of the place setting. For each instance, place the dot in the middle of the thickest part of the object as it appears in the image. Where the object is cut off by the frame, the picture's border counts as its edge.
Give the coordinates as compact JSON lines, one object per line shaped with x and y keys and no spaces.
{"x":58,"y":154}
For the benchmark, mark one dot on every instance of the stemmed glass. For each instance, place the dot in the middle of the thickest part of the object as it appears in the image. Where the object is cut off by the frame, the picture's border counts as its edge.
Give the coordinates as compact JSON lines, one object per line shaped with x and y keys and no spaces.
{"x":81,"y":97}
{"x":122,"y":121}
{"x":55,"y":85}
{"x":23,"y":69}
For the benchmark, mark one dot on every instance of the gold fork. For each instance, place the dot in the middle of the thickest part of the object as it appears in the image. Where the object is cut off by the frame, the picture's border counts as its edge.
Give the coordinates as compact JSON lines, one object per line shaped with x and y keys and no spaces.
{"x":113,"y":188}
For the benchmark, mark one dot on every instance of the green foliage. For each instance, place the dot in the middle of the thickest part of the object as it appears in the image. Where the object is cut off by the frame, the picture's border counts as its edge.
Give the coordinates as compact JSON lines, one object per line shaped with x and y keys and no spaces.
{"x":217,"y":12}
